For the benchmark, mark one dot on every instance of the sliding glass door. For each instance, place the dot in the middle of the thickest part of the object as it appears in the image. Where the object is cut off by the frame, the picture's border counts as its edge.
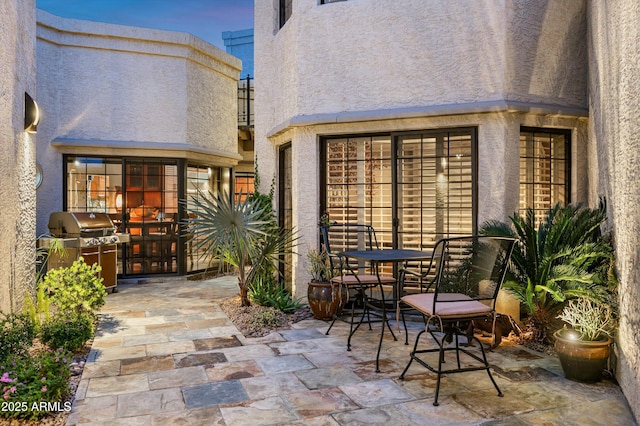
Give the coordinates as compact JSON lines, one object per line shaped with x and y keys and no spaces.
{"x":435,"y":187}
{"x":413,"y":188}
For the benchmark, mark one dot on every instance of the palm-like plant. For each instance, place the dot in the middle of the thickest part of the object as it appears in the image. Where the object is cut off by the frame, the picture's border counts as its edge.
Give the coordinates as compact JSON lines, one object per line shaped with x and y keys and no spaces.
{"x":563,"y":257}
{"x":240,"y":234}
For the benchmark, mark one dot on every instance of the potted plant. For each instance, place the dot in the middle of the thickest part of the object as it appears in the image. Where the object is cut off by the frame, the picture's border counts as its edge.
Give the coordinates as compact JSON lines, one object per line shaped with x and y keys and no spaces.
{"x":326,"y":299}
{"x":584,"y":348}
{"x":564,"y":256}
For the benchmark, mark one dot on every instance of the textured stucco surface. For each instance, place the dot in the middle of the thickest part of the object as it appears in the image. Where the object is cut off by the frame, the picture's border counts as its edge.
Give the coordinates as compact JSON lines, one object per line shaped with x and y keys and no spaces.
{"x":111,"y":85}
{"x":378,"y":66}
{"x":374,"y":54}
{"x":615,"y":150}
{"x":17,"y":162}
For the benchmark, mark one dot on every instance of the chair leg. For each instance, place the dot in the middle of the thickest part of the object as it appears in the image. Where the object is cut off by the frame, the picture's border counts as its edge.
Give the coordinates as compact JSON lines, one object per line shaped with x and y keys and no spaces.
{"x":385,"y":320}
{"x":439,"y":372}
{"x":488,"y":368}
{"x":458,"y":351}
{"x":412,"y":355}
{"x":335,"y":317}
{"x":445,"y":339}
{"x":406,"y":332}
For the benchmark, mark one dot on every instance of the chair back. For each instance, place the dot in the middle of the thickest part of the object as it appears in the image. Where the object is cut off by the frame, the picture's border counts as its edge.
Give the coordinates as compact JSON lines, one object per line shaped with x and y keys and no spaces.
{"x":471,"y":266}
{"x":336,"y":238}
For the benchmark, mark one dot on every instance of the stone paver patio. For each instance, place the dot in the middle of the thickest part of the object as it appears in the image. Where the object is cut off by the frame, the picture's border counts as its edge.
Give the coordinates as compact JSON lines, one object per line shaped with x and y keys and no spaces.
{"x":166,"y":354}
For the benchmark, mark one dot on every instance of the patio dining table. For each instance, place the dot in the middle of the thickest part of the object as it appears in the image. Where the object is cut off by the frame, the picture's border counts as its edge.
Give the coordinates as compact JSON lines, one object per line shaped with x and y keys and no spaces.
{"x":376,"y":258}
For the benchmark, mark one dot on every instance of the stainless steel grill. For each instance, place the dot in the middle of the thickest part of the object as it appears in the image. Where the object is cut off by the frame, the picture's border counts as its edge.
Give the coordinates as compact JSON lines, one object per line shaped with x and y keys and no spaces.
{"x":91,"y":235}
{"x":87,"y":228}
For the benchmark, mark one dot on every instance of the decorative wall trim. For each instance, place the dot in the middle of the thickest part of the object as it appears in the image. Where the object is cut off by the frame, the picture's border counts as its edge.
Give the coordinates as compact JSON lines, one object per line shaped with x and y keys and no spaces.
{"x":427,"y":111}
{"x":149,"y":149}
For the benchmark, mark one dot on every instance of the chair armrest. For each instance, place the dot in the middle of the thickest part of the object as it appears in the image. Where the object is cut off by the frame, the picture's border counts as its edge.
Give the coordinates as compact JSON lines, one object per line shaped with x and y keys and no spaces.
{"x":422,"y":276}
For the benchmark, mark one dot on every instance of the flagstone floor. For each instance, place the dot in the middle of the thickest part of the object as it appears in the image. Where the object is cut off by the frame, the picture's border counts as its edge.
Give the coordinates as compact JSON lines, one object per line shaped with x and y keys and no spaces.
{"x":166,"y":354}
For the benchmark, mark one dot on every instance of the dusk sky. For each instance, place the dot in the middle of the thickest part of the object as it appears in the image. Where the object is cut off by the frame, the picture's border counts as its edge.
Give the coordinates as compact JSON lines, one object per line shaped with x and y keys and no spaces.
{"x":206,"y":19}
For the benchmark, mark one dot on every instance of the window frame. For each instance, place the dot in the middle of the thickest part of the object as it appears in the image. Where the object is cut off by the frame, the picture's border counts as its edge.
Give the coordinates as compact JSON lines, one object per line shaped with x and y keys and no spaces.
{"x":285,"y":8}
{"x":541,"y":210}
{"x":394,"y":138}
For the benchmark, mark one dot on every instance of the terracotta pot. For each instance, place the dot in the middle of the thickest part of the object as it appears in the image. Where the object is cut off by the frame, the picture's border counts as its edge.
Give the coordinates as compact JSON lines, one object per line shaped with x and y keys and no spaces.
{"x":582,"y":361}
{"x":326,"y":300}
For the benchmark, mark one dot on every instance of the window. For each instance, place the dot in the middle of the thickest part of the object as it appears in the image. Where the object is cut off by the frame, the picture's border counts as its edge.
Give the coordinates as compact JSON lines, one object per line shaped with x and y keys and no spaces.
{"x":201,"y":181}
{"x":140,"y":196}
{"x":544,"y":169}
{"x":435,"y":190}
{"x":285,"y":206}
{"x":285,"y":11}
{"x":412,"y":188}
{"x":94,"y":184}
{"x":243,"y":185}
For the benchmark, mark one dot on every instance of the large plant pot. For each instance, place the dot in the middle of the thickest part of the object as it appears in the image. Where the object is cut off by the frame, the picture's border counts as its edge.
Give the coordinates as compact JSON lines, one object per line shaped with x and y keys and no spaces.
{"x":581,"y":361}
{"x":326,"y":300}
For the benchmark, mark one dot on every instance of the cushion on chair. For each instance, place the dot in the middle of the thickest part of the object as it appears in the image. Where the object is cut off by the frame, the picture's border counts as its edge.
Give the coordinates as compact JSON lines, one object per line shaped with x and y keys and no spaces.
{"x":449,"y":305}
{"x":362,"y":279}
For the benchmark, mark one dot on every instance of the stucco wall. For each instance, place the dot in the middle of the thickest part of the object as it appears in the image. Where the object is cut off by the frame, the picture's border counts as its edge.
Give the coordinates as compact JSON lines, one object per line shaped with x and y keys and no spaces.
{"x":17,"y":162}
{"x":105,"y":83}
{"x":366,"y":66}
{"x":368,"y":55}
{"x":615,"y":151}
{"x":546,"y":52}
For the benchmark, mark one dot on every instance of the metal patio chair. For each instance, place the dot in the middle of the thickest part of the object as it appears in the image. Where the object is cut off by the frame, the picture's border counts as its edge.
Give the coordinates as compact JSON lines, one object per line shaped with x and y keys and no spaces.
{"x":365,"y":285}
{"x":469,"y":272}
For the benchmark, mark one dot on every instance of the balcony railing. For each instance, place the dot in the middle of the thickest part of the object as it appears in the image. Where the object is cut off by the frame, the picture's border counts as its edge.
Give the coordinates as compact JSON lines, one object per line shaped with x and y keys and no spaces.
{"x":245,"y":103}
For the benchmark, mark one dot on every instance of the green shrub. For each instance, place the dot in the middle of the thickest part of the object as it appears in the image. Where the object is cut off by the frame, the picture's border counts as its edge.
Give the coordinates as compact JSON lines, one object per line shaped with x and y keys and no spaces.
{"x":30,"y":385}
{"x":17,"y":332}
{"x":265,"y":291}
{"x":75,"y":288}
{"x":37,"y":310}
{"x":69,"y":332}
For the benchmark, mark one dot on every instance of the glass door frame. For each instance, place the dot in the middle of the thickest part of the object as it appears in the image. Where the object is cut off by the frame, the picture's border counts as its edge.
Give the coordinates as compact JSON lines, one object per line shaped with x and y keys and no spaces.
{"x":395,"y":146}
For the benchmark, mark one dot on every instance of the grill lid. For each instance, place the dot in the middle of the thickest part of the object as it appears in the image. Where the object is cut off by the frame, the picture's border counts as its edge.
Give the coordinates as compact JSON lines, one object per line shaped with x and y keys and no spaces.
{"x":80,"y":224}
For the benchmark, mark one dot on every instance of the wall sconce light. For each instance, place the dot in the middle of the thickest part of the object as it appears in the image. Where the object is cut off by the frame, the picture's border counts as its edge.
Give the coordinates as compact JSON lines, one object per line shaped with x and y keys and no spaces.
{"x":31,"y":114}
{"x":118,"y":199}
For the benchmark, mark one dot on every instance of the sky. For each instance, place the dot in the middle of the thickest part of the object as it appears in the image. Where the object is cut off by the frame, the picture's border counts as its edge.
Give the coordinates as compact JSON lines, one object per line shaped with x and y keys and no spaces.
{"x":206,"y":19}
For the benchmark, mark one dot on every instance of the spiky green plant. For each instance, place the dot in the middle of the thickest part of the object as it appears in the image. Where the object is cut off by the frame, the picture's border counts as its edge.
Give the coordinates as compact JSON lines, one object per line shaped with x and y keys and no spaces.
{"x":563,"y":257}
{"x":238,"y":233}
{"x":591,"y":320}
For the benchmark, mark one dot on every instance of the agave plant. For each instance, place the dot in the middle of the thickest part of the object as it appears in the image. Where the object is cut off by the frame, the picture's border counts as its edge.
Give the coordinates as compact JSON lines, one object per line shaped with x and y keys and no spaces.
{"x":563,"y":257}
{"x":240,"y":234}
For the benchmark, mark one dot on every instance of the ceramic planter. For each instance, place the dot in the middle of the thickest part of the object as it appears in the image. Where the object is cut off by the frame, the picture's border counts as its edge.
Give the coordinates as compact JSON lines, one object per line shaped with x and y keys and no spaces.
{"x":326,"y":300}
{"x":582,"y":361}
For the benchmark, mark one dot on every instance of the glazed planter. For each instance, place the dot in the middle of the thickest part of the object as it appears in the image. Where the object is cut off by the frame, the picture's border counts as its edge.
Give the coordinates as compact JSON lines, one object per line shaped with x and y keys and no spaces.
{"x":326,"y":300}
{"x":583,"y":361}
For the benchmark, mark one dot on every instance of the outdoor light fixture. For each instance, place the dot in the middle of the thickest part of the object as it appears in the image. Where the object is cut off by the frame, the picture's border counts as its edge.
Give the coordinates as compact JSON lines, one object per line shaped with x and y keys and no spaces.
{"x":31,"y":114}
{"x":118,"y":199}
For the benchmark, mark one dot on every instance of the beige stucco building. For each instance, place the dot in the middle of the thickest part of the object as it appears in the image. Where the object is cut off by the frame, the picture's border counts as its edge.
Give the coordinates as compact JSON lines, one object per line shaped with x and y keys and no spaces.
{"x":614,"y":155}
{"x":18,"y":159}
{"x":424,"y":119}
{"x":364,"y":108}
{"x":136,"y":119}
{"x":482,"y":71}
{"x":133,"y":120}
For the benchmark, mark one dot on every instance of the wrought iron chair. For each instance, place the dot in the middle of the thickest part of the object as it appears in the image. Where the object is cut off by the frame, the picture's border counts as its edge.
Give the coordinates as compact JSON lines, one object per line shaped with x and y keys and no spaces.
{"x":365,"y":285}
{"x":468,"y":273}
